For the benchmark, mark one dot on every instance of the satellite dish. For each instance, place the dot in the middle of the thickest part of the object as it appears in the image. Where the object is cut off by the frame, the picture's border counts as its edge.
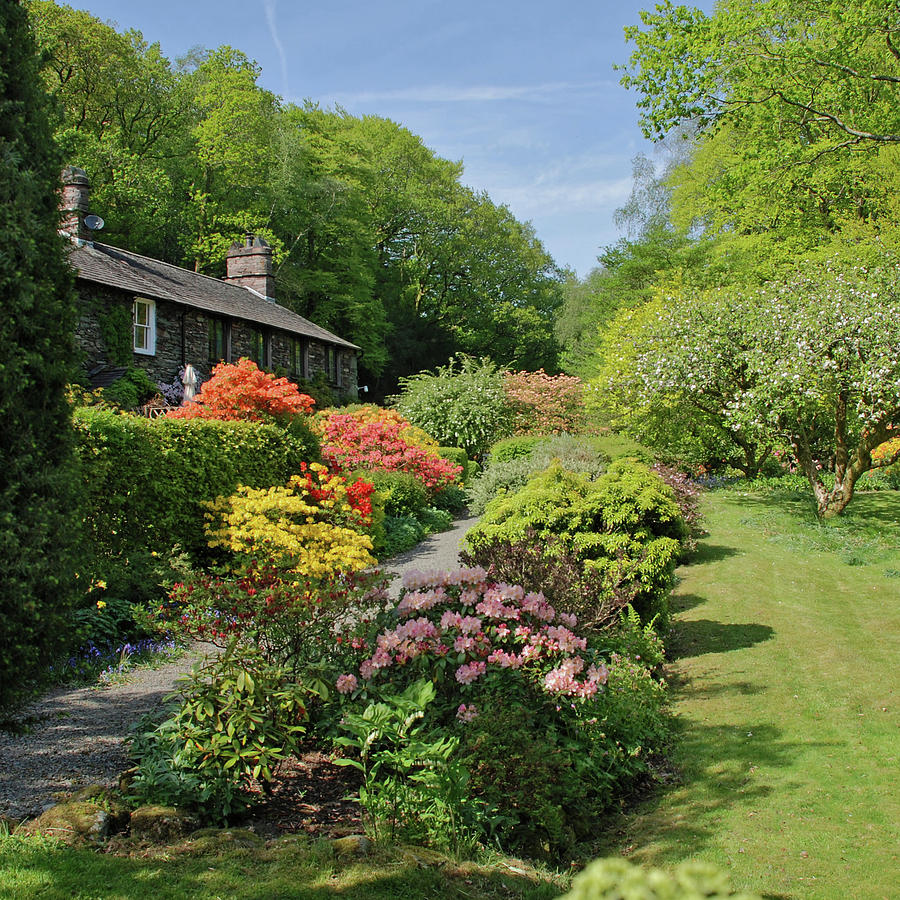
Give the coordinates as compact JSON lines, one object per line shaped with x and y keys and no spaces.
{"x":94,"y":223}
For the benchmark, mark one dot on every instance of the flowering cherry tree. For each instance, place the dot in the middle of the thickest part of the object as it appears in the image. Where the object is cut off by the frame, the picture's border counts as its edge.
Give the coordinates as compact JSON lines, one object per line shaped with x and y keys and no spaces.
{"x":809,"y":363}
{"x":828,"y":375}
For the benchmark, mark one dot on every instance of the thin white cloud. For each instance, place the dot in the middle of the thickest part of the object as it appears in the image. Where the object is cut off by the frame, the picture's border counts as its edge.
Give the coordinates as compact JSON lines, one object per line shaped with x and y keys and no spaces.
{"x":543,"y":197}
{"x":488,"y":93}
{"x":270,"y":7}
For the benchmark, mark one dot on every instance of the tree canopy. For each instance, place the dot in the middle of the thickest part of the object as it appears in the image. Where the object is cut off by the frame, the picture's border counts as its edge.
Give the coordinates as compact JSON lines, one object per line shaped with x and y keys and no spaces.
{"x":374,"y":235}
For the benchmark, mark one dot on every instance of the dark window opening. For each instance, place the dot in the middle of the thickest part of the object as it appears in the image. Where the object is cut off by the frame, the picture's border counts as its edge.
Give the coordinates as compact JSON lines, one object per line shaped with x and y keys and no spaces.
{"x":219,"y":341}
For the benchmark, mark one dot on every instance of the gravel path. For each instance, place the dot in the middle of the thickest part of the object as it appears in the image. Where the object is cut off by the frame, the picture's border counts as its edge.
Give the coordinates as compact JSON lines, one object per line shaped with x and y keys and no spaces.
{"x":76,"y":737}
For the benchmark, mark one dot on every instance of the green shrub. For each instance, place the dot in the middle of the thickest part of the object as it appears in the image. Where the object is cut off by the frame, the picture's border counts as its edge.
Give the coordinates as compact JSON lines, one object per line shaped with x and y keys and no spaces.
{"x":434,"y":520}
{"x":616,"y":446}
{"x":402,"y":494}
{"x":131,"y":390}
{"x":451,"y":498}
{"x":462,"y":404}
{"x":38,"y":503}
{"x":460,"y":457}
{"x":577,"y":453}
{"x":145,"y":482}
{"x":625,"y":527}
{"x":401,"y":533}
{"x":637,"y":640}
{"x":616,"y":878}
{"x":237,"y":718}
{"x":498,"y":479}
{"x":512,"y":448}
{"x":510,"y":470}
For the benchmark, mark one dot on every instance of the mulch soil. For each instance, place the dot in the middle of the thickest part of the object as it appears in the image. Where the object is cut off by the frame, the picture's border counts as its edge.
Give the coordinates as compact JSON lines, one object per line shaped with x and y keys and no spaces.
{"x":309,"y":796}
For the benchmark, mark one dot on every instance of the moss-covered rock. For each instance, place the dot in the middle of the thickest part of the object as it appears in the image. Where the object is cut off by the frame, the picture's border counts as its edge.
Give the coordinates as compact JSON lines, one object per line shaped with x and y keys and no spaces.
{"x":352,"y":845}
{"x":208,"y":839}
{"x":73,"y":822}
{"x":159,"y":824}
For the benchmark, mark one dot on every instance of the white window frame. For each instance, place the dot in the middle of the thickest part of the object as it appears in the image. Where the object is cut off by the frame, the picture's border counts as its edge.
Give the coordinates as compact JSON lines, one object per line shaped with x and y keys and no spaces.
{"x":149,"y":329}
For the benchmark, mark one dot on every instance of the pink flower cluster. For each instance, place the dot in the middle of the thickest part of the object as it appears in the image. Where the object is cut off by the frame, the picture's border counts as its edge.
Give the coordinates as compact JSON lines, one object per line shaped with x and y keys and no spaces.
{"x":479,"y":624}
{"x":349,"y":444}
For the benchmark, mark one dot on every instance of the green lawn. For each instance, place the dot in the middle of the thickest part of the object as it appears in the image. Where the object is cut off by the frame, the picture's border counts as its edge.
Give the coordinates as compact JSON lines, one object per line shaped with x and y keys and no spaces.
{"x":786,"y":653}
{"x":298,"y":869}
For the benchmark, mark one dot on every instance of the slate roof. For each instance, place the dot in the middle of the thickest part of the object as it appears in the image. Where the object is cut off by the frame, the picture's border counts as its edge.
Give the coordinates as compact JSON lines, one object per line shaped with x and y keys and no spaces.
{"x":156,"y":280}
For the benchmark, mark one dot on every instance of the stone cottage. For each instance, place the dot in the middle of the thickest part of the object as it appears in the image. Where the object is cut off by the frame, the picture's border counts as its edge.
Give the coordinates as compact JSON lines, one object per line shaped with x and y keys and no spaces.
{"x":138,"y":311}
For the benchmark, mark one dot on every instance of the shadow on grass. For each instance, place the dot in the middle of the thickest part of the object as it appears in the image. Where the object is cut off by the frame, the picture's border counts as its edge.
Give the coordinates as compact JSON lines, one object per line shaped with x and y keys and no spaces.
{"x":699,"y":636}
{"x":707,"y":553}
{"x":717,"y":766}
{"x":283,"y":871}
{"x":679,"y":603}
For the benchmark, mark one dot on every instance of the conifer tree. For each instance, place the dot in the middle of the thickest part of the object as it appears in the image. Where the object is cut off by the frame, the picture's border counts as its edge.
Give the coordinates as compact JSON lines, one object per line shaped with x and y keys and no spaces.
{"x":37,"y":308}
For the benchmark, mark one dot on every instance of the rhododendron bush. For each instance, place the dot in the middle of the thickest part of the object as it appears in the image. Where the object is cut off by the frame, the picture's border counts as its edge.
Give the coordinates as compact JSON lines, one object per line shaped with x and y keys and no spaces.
{"x":461,"y":625}
{"x":544,"y":720}
{"x":243,"y":391}
{"x":351,"y":441}
{"x":545,"y":404}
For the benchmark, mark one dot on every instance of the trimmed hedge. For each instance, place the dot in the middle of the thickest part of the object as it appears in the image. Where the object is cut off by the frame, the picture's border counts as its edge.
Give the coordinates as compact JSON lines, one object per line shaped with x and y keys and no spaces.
{"x":145,"y":482}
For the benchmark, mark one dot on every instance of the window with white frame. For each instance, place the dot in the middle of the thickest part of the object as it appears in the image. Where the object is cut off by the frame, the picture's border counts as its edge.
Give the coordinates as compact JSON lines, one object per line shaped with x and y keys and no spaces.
{"x":144,"y":322}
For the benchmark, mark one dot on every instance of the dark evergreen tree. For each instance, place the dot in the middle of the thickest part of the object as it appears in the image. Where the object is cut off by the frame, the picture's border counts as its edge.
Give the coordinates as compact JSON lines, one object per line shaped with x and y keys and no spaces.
{"x":38,"y":523}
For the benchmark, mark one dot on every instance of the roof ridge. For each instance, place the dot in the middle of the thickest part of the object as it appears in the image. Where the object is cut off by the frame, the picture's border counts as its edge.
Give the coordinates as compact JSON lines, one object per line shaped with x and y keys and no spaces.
{"x":240,"y":294}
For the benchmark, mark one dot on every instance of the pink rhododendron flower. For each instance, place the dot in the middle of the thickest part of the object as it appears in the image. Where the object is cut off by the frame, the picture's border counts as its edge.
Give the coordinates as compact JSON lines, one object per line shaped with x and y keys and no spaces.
{"x":467,"y":713}
{"x":346,"y":684}
{"x":565,"y":639}
{"x":468,"y":672}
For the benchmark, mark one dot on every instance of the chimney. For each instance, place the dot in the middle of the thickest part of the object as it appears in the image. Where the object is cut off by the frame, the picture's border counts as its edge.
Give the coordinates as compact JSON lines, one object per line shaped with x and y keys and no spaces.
{"x":250,"y":266}
{"x":74,"y":204}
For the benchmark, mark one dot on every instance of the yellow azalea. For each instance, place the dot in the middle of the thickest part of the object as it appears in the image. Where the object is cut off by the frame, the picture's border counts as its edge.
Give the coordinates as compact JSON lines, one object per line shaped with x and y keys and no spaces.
{"x":101,"y":604}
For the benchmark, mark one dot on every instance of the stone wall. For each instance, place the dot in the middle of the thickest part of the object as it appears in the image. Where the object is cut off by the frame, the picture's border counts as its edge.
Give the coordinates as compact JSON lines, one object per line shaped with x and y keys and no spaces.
{"x":182,"y":336}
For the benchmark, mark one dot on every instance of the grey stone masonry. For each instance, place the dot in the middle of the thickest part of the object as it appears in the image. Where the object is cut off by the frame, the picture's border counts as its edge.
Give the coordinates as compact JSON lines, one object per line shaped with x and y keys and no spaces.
{"x":182,"y":336}
{"x":250,"y":266}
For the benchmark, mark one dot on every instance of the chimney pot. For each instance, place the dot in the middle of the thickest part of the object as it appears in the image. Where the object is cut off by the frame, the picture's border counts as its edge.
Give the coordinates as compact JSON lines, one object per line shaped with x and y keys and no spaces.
{"x":250,"y":266}
{"x":75,"y":203}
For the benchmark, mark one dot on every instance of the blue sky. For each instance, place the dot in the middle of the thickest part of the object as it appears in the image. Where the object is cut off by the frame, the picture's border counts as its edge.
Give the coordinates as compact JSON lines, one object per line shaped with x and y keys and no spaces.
{"x":523,"y":92}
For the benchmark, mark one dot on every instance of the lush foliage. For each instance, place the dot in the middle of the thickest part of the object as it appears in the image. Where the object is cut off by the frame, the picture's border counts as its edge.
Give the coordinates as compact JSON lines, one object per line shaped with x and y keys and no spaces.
{"x":610,"y":879}
{"x":37,"y":497}
{"x":131,"y":390}
{"x":387,"y":442}
{"x":313,"y":527}
{"x":545,"y":404}
{"x":783,"y":96}
{"x":512,"y":463}
{"x":414,"y":788}
{"x":526,"y":695}
{"x":624,"y":529}
{"x":242,"y":391}
{"x":238,"y":718}
{"x":511,"y":448}
{"x":463,"y":404}
{"x":375,"y":236}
